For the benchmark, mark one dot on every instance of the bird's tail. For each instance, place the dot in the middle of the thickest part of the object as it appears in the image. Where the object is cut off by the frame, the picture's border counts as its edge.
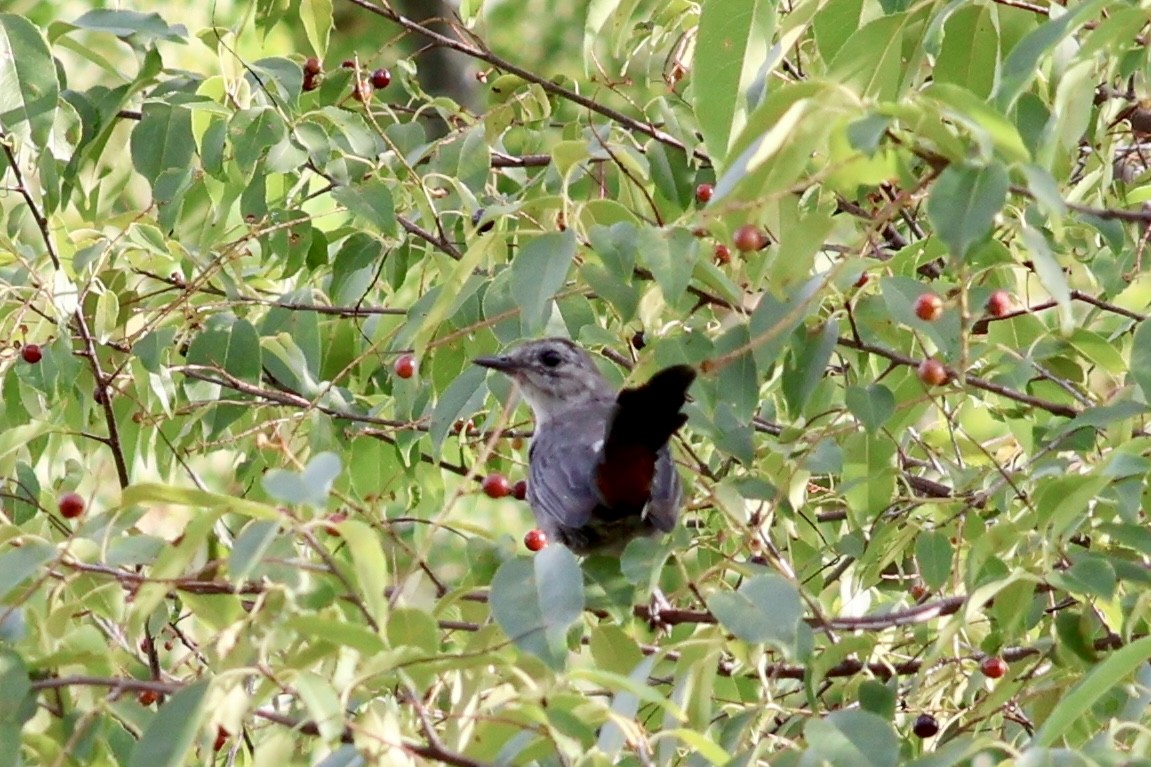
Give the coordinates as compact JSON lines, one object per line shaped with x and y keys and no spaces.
{"x":644,"y":420}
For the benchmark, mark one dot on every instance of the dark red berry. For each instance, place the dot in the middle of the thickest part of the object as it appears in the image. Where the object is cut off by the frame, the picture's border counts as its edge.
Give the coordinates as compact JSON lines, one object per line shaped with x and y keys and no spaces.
{"x":311,"y":82}
{"x":312,"y":66}
{"x":381,"y":78}
{"x":146,"y":697}
{"x":749,"y":237}
{"x":405,"y":366}
{"x":71,"y":505}
{"x":31,"y":353}
{"x":496,"y":485}
{"x":722,"y":254}
{"x":925,"y":726}
{"x":222,"y":736}
{"x":928,"y":307}
{"x":703,"y":193}
{"x":535,"y":540}
{"x":993,"y":667}
{"x":348,"y":64}
{"x":863,"y":280}
{"x":638,"y":341}
{"x":520,"y":490}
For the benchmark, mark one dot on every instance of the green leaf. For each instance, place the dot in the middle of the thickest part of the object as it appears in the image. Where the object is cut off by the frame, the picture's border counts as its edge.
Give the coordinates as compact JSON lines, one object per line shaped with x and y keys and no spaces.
{"x":463,"y":396}
{"x":18,"y":565}
{"x":235,"y":350}
{"x":732,"y":47}
{"x":808,"y":364}
{"x":624,"y":707}
{"x":371,"y":566}
{"x":249,"y":547}
{"x":852,"y":739}
{"x":834,"y":24}
{"x":15,"y":687}
{"x":162,"y":141}
{"x":868,"y":476}
{"x":871,"y":60}
{"x":1023,"y":63}
{"x":964,"y":203}
{"x":29,"y":91}
{"x":536,"y":600}
{"x":872,"y":405}
{"x":670,"y":254}
{"x":251,"y":132}
{"x":1101,"y":680}
{"x":143,"y":27}
{"x":317,"y":18}
{"x":538,"y":272}
{"x":322,"y":703}
{"x":765,"y":609}
{"x":311,"y":486}
{"x":1141,"y":358}
{"x":970,"y":53}
{"x":372,"y":203}
{"x":934,"y":555}
{"x":168,"y":738}
{"x":145,"y":493}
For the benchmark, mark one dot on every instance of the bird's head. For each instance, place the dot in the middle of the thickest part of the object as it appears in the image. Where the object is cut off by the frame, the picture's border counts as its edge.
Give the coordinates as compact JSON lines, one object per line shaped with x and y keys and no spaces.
{"x":553,"y":375}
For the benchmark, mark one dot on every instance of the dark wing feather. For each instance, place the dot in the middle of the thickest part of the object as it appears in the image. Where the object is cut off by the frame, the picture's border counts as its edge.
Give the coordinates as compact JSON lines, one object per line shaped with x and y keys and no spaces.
{"x":634,"y":450}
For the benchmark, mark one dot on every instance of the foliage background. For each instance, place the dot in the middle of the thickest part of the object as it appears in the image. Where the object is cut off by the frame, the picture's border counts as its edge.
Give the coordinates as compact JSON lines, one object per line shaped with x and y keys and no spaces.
{"x":285,"y":557}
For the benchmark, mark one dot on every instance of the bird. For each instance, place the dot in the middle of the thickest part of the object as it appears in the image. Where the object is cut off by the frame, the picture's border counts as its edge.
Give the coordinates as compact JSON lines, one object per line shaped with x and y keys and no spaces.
{"x":599,"y":469}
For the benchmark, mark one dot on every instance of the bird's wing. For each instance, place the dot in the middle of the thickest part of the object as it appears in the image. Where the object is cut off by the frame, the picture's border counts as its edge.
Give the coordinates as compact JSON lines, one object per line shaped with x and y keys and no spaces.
{"x":666,"y":494}
{"x":563,"y":457}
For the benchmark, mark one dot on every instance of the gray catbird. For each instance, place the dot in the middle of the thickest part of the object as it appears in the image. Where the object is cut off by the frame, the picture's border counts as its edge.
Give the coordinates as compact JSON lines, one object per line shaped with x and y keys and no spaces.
{"x":600,"y":472}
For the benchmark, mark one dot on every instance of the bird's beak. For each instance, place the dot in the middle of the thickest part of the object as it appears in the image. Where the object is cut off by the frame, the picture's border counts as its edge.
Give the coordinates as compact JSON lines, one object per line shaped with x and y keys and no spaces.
{"x":503,"y":364}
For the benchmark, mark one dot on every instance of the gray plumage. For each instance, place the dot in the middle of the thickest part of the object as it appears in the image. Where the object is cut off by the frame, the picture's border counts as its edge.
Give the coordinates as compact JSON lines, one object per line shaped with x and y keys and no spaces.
{"x":574,"y":409}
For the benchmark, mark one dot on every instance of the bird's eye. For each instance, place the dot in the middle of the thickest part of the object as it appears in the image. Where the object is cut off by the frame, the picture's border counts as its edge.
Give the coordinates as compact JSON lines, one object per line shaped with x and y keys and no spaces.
{"x":550,"y":358}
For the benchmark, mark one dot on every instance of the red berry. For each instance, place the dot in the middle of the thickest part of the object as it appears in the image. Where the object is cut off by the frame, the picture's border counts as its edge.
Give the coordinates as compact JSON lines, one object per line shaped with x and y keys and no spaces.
{"x":405,"y":366}
{"x":71,"y":505}
{"x":703,"y":193}
{"x":535,"y":540}
{"x":639,"y":340}
{"x":381,"y":78}
{"x":348,"y":64}
{"x":333,"y":520}
{"x":312,"y":66}
{"x":928,"y":307}
{"x":925,"y":726}
{"x":222,"y":736}
{"x":362,"y":91}
{"x":749,"y":237}
{"x":146,"y":697}
{"x":31,"y":354}
{"x":932,"y":372}
{"x":863,"y":280}
{"x":722,"y":254}
{"x":520,"y":490}
{"x":999,"y":303}
{"x":496,"y":485}
{"x":993,"y":667}
{"x":918,"y":590}
{"x":311,"y":82}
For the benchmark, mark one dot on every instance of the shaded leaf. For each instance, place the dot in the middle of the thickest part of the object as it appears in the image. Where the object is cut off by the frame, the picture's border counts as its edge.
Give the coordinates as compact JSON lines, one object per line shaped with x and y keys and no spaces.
{"x":964,"y":203}
{"x":536,"y":600}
